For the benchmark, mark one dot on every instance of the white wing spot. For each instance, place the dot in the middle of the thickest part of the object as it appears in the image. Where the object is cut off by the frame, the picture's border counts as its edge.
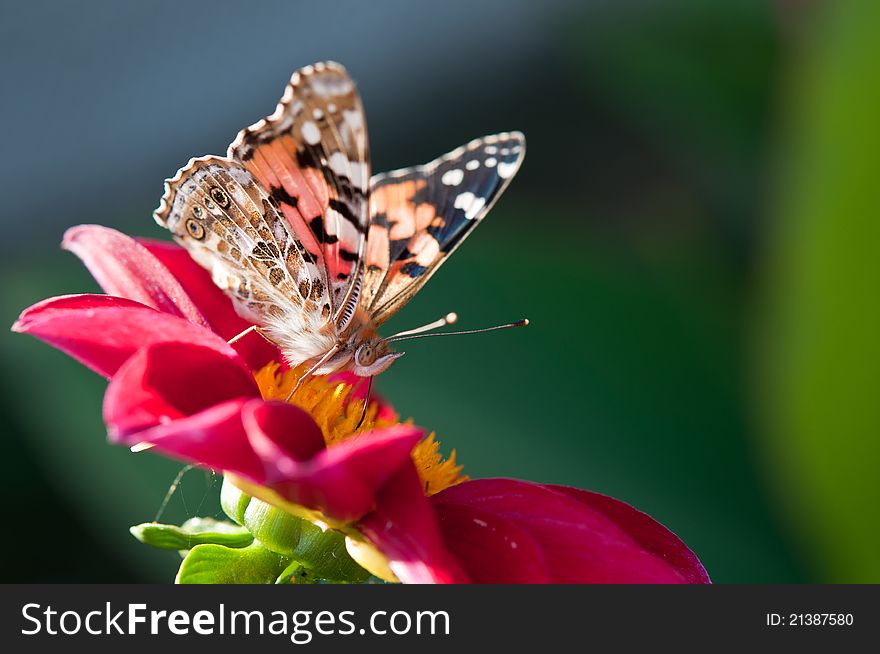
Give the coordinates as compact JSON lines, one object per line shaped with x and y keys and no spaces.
{"x":469,"y":203}
{"x":311,"y":133}
{"x":317,"y":113}
{"x":473,"y":164}
{"x":327,"y":86}
{"x":491,"y":149}
{"x":339,"y":163}
{"x":480,"y":523}
{"x":331,"y":108}
{"x":491,"y":161}
{"x":506,"y":169}
{"x":453,"y":177}
{"x":241,"y":176}
{"x":355,"y":120}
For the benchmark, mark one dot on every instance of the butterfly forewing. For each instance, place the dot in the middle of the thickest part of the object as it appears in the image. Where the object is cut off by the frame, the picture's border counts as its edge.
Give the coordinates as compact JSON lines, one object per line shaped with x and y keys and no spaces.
{"x":312,"y":157}
{"x":421,"y":214}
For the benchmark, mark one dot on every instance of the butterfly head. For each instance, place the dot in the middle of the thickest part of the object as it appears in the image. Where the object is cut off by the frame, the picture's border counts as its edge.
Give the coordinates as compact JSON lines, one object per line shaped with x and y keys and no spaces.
{"x":372,"y":355}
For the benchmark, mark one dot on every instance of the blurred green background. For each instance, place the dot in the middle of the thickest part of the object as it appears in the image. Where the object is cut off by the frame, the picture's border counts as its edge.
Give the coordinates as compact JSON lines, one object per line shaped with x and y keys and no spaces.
{"x":694,"y":236}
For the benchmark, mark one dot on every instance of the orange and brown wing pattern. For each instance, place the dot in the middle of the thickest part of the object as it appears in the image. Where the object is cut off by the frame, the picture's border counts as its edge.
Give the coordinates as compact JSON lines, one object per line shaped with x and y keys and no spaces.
{"x":232,"y":227}
{"x":312,"y":157}
{"x":420,"y":215}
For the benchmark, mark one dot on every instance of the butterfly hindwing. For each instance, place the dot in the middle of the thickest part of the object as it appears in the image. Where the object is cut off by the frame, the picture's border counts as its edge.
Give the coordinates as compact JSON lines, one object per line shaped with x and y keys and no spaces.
{"x":421,"y":214}
{"x":232,"y":227}
{"x":312,"y":157}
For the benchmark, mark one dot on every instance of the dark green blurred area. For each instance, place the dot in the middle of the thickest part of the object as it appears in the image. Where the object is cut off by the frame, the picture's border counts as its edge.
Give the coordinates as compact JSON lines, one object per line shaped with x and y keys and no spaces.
{"x":693,"y":236}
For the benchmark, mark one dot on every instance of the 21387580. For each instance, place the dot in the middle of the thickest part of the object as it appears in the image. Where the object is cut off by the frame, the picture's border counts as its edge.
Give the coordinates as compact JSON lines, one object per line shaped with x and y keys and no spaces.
{"x":809,"y":620}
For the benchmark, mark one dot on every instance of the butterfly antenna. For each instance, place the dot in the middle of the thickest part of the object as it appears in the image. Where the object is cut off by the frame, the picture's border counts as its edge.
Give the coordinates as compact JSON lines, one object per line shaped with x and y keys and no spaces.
{"x":448,"y":319}
{"x":417,"y":333}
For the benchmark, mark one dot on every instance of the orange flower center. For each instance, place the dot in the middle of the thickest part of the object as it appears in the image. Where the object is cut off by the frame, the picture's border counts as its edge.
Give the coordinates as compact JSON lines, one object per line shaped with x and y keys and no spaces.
{"x":337,"y":414}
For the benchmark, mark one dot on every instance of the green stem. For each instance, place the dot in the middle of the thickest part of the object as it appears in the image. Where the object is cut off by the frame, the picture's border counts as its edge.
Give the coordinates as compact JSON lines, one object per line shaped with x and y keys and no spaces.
{"x":322,"y":553}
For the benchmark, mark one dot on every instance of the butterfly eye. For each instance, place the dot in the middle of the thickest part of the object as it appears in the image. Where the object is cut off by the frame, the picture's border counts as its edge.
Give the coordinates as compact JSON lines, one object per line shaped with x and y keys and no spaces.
{"x":219,"y":196}
{"x":195,"y":229}
{"x":366,"y":355}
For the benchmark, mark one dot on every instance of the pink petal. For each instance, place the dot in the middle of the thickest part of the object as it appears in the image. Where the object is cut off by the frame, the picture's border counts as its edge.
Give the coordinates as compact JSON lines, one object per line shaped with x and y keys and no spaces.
{"x":492,"y":547}
{"x":282,"y":434}
{"x":404,"y":528}
{"x":343,"y":481}
{"x":125,"y":268}
{"x":102,"y":331}
{"x":273,"y":444}
{"x":222,"y":437}
{"x":213,"y":303}
{"x":214,"y":438}
{"x":647,"y":532}
{"x":583,"y":540}
{"x":168,"y":381}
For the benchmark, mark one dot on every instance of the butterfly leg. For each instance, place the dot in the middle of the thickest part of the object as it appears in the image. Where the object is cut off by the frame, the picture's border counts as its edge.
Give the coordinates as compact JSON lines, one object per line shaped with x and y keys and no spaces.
{"x":308,"y":373}
{"x":252,"y":328}
{"x":238,"y":337}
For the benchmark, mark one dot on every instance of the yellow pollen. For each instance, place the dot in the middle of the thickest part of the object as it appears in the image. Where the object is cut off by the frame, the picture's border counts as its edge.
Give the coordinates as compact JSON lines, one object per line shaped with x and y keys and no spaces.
{"x":329,"y":405}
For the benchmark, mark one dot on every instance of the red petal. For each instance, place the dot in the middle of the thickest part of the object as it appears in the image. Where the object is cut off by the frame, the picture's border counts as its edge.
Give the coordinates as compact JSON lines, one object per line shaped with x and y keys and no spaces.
{"x":283,"y":434}
{"x":583,"y":539}
{"x":214,"y":304}
{"x":647,"y":532}
{"x":275,"y":445}
{"x":342,"y":481}
{"x":102,"y":331}
{"x":404,"y":528}
{"x":492,"y":547}
{"x":225,"y":437}
{"x":214,"y":438}
{"x":167,"y":381}
{"x":125,"y":268}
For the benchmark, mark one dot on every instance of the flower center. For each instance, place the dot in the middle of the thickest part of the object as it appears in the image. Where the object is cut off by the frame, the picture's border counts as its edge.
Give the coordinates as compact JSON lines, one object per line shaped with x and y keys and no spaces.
{"x":337,"y":411}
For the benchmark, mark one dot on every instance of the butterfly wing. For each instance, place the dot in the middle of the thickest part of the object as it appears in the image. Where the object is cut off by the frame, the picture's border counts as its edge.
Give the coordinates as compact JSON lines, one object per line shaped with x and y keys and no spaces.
{"x":312,"y":156}
{"x":230,"y":225}
{"x":420,"y":215}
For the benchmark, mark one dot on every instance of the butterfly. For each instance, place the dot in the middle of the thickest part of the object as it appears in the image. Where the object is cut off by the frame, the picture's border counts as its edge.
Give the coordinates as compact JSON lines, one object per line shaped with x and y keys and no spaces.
{"x":311,"y":248}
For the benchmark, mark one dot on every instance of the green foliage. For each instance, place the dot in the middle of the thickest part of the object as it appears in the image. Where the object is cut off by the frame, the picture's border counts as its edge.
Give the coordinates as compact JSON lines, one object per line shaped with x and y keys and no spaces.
{"x":216,"y":564}
{"x":271,"y":546}
{"x":195,"y":531}
{"x":823,"y":353}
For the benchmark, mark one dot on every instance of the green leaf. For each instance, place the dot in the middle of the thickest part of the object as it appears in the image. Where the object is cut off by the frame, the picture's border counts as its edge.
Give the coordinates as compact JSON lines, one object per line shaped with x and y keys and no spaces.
{"x":216,"y":564}
{"x":195,"y":531}
{"x":296,"y":573}
{"x":822,"y":352}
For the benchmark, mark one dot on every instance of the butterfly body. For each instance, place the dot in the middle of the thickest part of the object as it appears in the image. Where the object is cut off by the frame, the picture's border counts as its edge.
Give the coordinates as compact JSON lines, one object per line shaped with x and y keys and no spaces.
{"x":312,"y":249}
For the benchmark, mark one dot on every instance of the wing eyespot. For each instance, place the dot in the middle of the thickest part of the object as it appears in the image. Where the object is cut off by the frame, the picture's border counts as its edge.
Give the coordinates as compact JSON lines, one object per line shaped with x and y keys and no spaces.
{"x":195,"y":229}
{"x":220,"y":197}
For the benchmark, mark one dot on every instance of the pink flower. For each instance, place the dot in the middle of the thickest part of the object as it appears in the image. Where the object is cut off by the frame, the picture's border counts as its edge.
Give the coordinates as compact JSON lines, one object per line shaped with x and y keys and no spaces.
{"x":161,"y":337}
